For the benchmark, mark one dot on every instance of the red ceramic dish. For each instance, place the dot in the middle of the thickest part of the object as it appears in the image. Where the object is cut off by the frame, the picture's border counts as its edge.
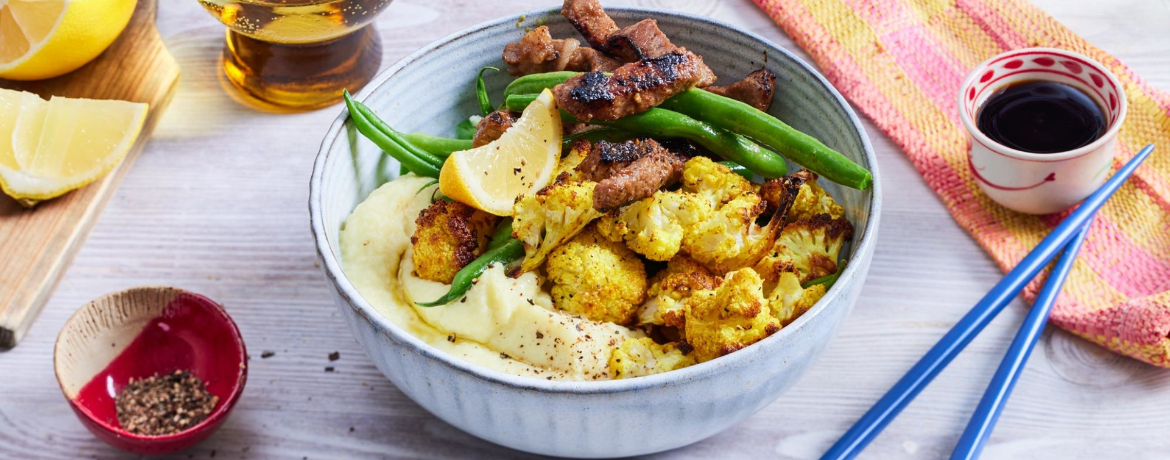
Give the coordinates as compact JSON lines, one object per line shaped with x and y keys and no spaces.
{"x":140,"y":332}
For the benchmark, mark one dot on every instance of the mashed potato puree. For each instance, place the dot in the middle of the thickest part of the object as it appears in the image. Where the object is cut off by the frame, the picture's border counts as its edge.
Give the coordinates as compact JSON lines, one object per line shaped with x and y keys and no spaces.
{"x":505,"y":324}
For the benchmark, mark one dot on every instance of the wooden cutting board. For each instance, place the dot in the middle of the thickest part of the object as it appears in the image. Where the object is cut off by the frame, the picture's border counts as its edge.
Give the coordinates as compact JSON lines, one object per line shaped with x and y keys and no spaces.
{"x":37,"y":245}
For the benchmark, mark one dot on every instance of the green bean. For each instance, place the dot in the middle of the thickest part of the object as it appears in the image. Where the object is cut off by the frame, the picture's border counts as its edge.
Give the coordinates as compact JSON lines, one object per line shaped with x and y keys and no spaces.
{"x":665,"y":123}
{"x":826,"y":280}
{"x":502,"y":234}
{"x":739,"y":169}
{"x":805,"y":150}
{"x":506,"y":253}
{"x":441,"y":147}
{"x":594,"y":135}
{"x":412,"y":158}
{"x":740,"y":118}
{"x":535,"y":83}
{"x":485,"y":102}
{"x":433,"y":182}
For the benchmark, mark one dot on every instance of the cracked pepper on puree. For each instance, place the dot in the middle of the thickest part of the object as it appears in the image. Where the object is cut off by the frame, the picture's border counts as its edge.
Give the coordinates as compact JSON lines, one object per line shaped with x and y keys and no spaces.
{"x":496,"y":326}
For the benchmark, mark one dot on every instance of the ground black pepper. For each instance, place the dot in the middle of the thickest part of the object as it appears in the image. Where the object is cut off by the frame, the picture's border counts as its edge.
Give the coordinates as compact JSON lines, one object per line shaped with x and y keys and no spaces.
{"x":161,"y":405}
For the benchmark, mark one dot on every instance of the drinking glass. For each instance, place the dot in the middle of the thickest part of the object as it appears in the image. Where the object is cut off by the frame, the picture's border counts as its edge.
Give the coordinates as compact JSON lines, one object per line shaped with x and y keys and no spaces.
{"x":299,"y":53}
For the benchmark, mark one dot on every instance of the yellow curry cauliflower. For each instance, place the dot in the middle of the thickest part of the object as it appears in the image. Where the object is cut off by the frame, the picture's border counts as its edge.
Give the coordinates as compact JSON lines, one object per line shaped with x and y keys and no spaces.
{"x":642,"y":356}
{"x":713,"y":181}
{"x":812,"y":200}
{"x":567,"y":167}
{"x":669,"y":290}
{"x":808,"y":247}
{"x":551,"y":217}
{"x":448,"y":236}
{"x":789,"y":300}
{"x":655,"y":226}
{"x":730,"y":317}
{"x":597,"y":278}
{"x":731,"y":239}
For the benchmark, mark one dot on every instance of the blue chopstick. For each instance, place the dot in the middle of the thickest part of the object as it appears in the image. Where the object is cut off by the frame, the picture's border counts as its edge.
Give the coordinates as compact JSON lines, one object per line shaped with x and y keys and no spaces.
{"x":880,"y":415}
{"x":996,"y":396}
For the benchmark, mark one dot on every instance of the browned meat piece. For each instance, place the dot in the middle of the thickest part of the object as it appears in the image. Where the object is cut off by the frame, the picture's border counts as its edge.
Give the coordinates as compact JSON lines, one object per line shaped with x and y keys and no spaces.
{"x":630,"y":171}
{"x":640,"y":41}
{"x":448,"y":236}
{"x":685,"y":147}
{"x":538,"y":52}
{"x":755,"y":90}
{"x":634,"y":88}
{"x":634,"y":43}
{"x":492,"y":127}
{"x":591,"y":60}
{"x":590,"y":19}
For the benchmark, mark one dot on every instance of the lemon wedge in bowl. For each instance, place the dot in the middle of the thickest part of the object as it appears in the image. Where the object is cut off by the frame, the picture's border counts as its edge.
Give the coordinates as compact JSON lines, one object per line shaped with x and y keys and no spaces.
{"x":50,"y":148}
{"x":46,"y":38}
{"x":523,"y":160}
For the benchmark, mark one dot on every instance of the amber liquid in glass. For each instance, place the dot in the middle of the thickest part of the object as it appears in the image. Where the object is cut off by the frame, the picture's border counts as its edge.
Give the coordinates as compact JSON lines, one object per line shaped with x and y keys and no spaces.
{"x":299,"y":53}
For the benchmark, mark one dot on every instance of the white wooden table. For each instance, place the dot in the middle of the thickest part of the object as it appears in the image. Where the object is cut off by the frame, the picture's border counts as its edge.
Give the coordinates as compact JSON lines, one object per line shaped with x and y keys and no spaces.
{"x":217,"y":204}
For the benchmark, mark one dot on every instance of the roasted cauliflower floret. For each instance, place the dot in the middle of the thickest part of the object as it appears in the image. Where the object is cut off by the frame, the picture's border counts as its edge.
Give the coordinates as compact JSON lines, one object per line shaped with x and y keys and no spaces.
{"x":669,"y":290}
{"x":731,"y":239}
{"x":713,"y":181}
{"x":551,"y":217}
{"x":789,"y":300}
{"x":655,"y":226}
{"x":812,"y":200}
{"x":641,"y":357}
{"x":567,"y":167}
{"x":730,"y":317}
{"x":808,"y":247}
{"x":448,"y":236}
{"x":597,"y":278}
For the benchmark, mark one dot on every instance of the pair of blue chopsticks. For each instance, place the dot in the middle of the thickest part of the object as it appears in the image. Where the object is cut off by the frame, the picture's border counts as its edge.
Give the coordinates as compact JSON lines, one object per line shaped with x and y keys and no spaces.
{"x":1067,"y":236}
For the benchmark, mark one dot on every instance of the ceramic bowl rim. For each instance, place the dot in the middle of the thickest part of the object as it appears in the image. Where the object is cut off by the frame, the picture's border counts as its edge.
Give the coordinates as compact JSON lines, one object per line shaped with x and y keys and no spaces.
{"x":332,"y":267}
{"x":220,"y":412}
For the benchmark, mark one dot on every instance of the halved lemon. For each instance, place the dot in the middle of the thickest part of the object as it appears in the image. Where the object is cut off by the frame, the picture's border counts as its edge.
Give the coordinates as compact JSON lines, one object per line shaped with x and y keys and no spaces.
{"x":50,"y":148}
{"x":523,"y":160}
{"x":46,"y":38}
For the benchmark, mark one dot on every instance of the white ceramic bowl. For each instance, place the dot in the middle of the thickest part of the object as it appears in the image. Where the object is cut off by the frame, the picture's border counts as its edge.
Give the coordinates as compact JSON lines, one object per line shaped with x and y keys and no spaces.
{"x":430,"y":91}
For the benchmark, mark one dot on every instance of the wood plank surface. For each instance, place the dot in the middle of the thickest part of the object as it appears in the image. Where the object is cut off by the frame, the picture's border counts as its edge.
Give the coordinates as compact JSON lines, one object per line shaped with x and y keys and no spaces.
{"x":37,"y":245}
{"x":216,"y":204}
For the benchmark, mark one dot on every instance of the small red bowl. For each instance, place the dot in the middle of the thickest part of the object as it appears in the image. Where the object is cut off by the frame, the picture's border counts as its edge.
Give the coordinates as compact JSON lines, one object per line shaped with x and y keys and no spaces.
{"x":138,"y":333}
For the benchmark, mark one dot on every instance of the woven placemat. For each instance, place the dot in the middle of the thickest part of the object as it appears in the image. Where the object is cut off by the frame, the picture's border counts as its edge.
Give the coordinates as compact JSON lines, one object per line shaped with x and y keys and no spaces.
{"x":902,"y":62}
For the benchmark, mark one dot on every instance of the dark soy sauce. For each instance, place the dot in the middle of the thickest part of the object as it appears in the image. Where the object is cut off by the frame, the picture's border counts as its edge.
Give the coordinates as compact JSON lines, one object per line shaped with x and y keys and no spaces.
{"x":1042,"y":117}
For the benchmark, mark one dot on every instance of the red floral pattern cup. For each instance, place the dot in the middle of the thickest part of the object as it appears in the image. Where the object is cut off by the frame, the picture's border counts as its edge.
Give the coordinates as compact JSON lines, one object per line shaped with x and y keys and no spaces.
{"x":1040,"y":183}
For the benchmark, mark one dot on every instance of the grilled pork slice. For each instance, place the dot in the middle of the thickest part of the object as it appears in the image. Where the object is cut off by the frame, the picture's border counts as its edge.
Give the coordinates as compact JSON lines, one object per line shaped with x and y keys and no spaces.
{"x":492,"y":127}
{"x":634,"y":43}
{"x":640,"y":41}
{"x":589,"y":18}
{"x":755,"y":90}
{"x":538,"y":52}
{"x":627,"y":171}
{"x":633,"y":88}
{"x":643,"y":177}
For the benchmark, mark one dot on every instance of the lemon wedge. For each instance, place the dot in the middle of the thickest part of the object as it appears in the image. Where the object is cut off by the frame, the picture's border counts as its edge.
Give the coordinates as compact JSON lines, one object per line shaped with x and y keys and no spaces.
{"x":46,"y":38}
{"x":50,"y":148}
{"x":521,"y":161}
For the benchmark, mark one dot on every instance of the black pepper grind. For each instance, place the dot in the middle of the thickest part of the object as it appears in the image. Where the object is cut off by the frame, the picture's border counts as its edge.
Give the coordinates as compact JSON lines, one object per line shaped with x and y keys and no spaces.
{"x":161,"y":405}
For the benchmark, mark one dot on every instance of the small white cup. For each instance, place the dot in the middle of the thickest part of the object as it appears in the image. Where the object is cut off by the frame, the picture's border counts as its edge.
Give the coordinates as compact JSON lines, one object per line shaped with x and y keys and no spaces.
{"x":1040,"y":183}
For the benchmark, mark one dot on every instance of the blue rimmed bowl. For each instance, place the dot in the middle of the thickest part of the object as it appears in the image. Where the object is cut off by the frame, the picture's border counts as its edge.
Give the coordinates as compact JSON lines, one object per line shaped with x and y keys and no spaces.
{"x":431,"y":90}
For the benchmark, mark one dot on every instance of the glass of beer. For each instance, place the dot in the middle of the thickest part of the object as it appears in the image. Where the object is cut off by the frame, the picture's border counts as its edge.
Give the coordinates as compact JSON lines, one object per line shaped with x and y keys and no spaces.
{"x":299,"y":54}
